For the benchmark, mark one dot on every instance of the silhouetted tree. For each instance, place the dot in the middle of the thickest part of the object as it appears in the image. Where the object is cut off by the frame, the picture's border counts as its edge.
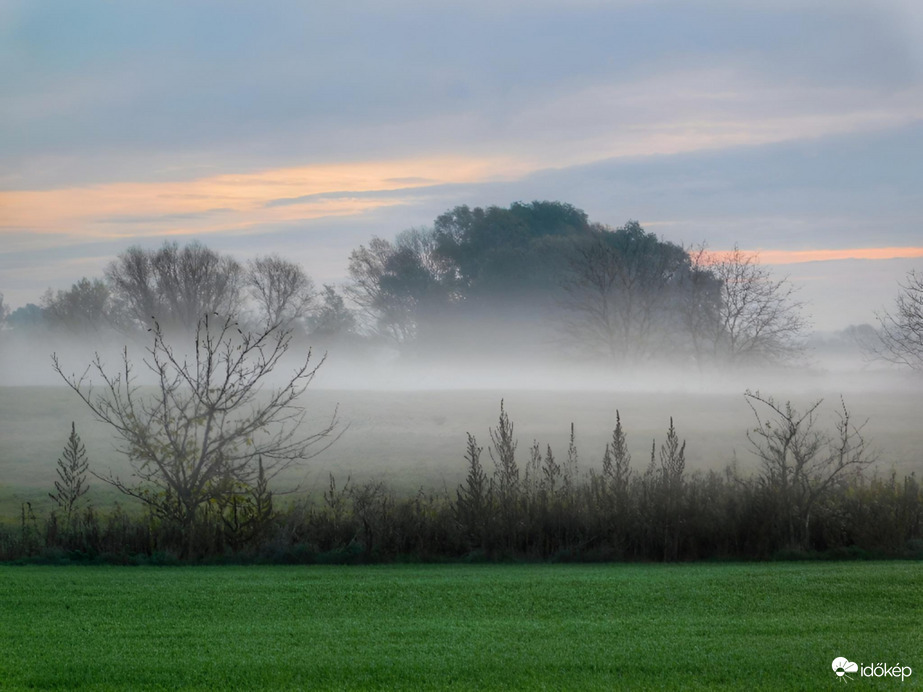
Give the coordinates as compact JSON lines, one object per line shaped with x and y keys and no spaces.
{"x":87,"y":307}
{"x":506,"y":478}
{"x":475,"y":495}
{"x":902,"y":331}
{"x":672,"y":487}
{"x":621,"y":293}
{"x":551,"y":481}
{"x":612,"y":486}
{"x":510,"y":254}
{"x":29,"y":316}
{"x":532,"y":477}
{"x":801,"y":465}
{"x":474,"y":267}
{"x":206,"y":429}
{"x":71,"y":485}
{"x":283,"y":292}
{"x":332,"y":319}
{"x":503,"y":454}
{"x":616,"y":465}
{"x":176,"y":286}
{"x":387,"y":312}
{"x":759,"y":318}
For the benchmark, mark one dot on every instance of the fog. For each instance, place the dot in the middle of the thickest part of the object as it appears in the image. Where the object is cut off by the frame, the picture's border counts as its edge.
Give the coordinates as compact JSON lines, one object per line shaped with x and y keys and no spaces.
{"x":830,"y":362}
{"x":403,"y":418}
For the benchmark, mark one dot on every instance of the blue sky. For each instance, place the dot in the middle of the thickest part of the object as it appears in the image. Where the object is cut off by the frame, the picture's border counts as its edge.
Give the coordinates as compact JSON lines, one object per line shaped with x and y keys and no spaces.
{"x":305,"y":128}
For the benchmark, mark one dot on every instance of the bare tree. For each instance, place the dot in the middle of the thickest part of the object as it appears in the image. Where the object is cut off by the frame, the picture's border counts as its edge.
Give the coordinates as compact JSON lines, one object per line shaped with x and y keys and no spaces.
{"x":174,"y":285}
{"x":207,"y":429}
{"x":901,"y":336}
{"x":4,"y":310}
{"x":284,"y":293}
{"x":759,"y":318}
{"x":131,"y":277}
{"x":801,"y":464}
{"x":591,"y":298}
{"x":618,"y":292}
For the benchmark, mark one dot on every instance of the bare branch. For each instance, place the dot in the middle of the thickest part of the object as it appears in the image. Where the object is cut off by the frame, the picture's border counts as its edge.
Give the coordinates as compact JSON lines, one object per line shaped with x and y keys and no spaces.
{"x":801,"y":464}
{"x":901,"y":335}
{"x":282,"y":290}
{"x":759,"y":318}
{"x":202,"y":429}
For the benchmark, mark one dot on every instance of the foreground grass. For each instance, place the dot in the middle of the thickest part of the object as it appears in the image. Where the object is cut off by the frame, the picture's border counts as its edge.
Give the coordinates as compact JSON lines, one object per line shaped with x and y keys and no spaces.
{"x":772,"y":626}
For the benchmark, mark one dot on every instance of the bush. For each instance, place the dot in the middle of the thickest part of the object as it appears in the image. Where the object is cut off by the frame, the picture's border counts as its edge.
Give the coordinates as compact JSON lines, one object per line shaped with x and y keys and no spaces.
{"x":608,"y":512}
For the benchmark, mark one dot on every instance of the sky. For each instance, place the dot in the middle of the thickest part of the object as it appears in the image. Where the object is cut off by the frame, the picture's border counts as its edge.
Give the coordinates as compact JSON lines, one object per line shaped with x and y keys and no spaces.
{"x":789,"y":128}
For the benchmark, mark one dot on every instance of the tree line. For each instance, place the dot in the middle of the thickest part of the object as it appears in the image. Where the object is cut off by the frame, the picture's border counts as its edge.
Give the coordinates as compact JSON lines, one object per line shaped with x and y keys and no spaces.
{"x":175,"y":286}
{"x":535,"y":278}
{"x":530,"y":278}
{"x":812,"y":495}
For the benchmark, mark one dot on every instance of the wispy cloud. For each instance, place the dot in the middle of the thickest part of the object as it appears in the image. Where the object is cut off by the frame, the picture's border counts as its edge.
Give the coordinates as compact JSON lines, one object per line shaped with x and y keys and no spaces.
{"x":686,"y":111}
{"x":236,"y":202}
{"x":347,"y":194}
{"x":865,"y":253}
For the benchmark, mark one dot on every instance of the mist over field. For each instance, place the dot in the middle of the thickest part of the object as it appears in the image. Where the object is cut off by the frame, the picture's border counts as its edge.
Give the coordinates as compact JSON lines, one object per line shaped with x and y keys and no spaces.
{"x":567,"y":321}
{"x":404,"y":419}
{"x":483,"y":344}
{"x":622,"y":280}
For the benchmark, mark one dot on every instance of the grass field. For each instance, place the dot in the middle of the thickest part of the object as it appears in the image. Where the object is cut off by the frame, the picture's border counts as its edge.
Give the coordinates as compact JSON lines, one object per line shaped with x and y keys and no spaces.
{"x":739,"y":626}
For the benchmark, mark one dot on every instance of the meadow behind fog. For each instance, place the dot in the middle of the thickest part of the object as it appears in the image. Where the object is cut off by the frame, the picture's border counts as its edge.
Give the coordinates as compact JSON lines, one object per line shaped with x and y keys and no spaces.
{"x":407,"y":425}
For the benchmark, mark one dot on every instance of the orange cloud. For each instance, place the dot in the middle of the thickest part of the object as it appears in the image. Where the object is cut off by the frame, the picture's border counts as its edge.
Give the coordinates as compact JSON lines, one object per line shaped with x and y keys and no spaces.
{"x":228,"y":202}
{"x":870,"y":253}
{"x":709,"y":257}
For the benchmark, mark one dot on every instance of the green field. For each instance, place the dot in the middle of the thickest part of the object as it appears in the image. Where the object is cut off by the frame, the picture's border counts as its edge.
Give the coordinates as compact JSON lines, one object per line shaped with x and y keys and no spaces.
{"x":739,"y":626}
